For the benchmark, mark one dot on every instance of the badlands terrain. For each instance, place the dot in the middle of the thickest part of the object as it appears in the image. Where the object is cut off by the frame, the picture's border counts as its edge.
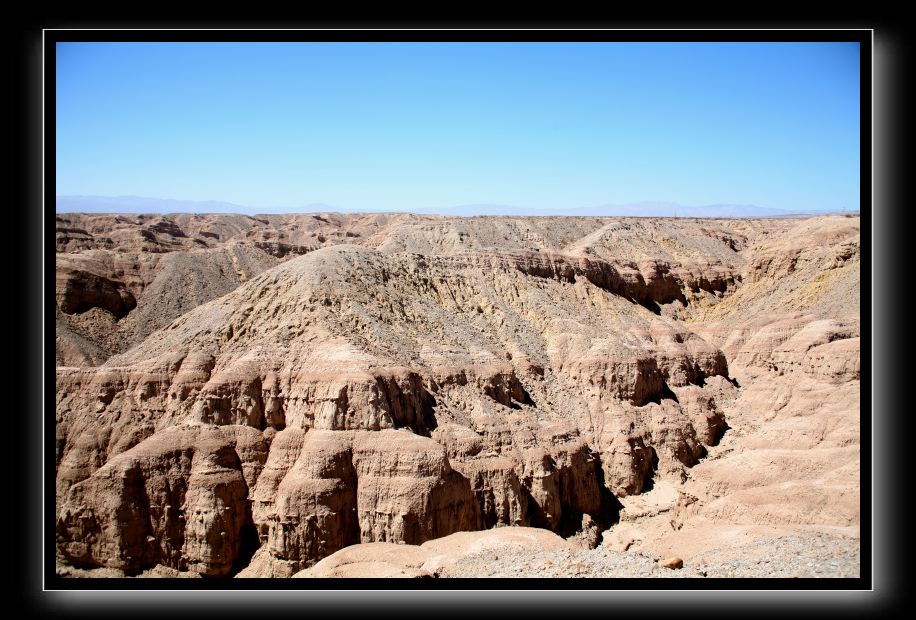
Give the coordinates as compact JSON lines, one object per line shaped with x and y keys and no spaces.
{"x":329,"y":395}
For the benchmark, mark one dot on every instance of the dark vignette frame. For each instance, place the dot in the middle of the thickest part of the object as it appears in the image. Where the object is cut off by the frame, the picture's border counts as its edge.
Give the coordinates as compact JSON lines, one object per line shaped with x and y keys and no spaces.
{"x":762,"y":594}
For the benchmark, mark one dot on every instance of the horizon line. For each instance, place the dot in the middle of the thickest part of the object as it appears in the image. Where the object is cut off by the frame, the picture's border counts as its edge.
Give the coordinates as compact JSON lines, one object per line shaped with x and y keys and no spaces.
{"x":144,"y":205}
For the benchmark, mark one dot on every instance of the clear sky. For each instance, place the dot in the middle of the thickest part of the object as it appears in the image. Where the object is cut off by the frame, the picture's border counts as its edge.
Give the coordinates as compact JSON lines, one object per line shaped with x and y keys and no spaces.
{"x":400,"y":126}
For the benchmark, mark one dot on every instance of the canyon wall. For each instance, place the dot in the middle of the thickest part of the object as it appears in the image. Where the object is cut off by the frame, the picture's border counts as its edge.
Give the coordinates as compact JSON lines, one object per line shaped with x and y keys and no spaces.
{"x":247,"y":396}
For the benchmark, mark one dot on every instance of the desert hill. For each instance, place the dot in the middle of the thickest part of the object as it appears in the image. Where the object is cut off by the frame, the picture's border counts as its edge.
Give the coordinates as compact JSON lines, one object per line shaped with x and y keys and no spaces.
{"x":253,"y":396}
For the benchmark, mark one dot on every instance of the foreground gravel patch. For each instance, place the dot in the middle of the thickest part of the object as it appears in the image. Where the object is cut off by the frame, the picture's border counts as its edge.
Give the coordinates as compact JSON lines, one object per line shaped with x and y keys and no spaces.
{"x":814,"y":555}
{"x":599,"y":562}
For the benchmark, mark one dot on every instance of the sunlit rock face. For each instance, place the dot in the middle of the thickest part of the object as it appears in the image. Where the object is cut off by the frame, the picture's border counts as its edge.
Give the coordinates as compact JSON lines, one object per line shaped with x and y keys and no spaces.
{"x":247,"y":396}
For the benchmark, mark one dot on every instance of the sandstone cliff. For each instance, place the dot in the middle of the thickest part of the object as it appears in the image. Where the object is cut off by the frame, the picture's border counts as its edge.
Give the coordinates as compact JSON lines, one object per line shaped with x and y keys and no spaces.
{"x":285,"y":387}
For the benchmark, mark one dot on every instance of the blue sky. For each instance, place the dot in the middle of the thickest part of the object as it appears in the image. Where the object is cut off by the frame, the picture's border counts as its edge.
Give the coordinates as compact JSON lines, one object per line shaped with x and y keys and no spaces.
{"x":401,"y":126}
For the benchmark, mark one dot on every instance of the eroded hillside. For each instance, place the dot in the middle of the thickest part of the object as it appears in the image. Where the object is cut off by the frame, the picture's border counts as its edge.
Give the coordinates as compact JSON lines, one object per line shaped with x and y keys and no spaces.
{"x":248,"y":396}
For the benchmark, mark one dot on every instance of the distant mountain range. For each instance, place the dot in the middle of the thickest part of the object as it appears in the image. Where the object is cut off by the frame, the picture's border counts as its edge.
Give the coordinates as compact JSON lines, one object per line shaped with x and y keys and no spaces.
{"x":139,"y":204}
{"x":638,"y":209}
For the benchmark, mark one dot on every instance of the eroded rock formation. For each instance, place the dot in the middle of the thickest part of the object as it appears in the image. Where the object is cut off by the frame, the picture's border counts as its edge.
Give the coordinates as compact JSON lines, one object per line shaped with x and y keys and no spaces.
{"x":368,"y":379}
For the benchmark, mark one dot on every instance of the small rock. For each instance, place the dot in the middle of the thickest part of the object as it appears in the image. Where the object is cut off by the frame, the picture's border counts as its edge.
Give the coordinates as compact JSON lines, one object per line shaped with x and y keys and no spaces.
{"x":672,"y":563}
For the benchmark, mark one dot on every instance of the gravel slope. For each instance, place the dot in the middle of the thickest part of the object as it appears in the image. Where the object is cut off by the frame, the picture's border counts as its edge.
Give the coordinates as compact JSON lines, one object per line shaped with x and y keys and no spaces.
{"x":815,"y":555}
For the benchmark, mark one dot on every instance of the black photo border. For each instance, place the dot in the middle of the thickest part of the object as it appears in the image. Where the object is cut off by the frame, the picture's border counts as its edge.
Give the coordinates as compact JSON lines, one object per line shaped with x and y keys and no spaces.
{"x":40,"y":580}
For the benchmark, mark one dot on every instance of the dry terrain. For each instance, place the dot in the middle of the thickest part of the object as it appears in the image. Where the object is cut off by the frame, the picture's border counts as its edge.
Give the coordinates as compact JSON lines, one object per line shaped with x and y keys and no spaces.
{"x":327,"y":395}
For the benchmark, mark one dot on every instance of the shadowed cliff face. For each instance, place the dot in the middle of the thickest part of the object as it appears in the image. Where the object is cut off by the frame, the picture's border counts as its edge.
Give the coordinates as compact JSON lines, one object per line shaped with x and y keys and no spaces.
{"x":401,"y":378}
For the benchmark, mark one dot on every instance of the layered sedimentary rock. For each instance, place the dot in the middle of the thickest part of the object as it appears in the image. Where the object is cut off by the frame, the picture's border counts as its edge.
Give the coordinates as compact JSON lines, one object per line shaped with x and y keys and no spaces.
{"x":790,"y":460}
{"x":399,"y":379}
{"x":178,"y":499}
{"x":347,"y":487}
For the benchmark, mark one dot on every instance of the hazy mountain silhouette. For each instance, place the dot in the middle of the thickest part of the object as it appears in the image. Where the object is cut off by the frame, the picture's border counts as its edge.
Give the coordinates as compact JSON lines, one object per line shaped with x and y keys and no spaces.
{"x":140,"y":204}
